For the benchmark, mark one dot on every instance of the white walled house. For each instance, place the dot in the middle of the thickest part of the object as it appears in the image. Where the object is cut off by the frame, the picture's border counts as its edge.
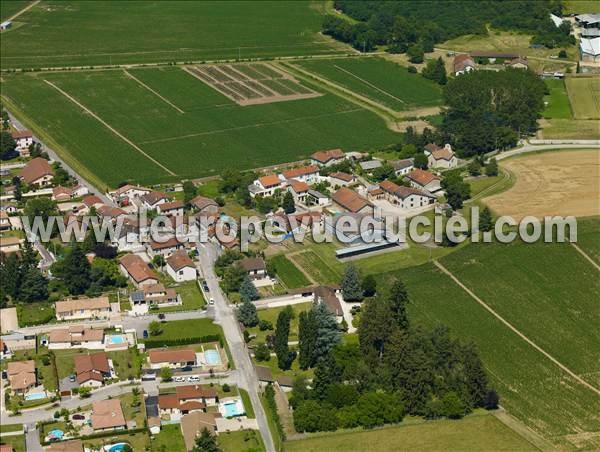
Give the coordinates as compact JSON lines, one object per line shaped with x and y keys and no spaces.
{"x":308,"y":174}
{"x":440,"y":157}
{"x":265,"y":186}
{"x":327,"y":158}
{"x":298,"y":189}
{"x":85,"y":308}
{"x":340,"y":179}
{"x":406,"y":197}
{"x":180,"y":267}
{"x":402,"y":167}
{"x":23,"y":139}
{"x":424,"y":180}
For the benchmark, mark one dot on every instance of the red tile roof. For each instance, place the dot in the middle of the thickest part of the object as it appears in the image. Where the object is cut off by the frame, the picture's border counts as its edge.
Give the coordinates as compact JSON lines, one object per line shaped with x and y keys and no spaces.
{"x":200,"y":202}
{"x":299,"y":186}
{"x":137,"y":268}
{"x":342,"y":176}
{"x":269,"y":181}
{"x":172,"y":356}
{"x":170,"y":243}
{"x":91,"y":200}
{"x":303,"y":171}
{"x":16,"y":134}
{"x":168,"y":401}
{"x":171,"y":205}
{"x":179,"y":260}
{"x":35,"y":169}
{"x":422,"y":177}
{"x":326,"y":156}
{"x":350,"y":200}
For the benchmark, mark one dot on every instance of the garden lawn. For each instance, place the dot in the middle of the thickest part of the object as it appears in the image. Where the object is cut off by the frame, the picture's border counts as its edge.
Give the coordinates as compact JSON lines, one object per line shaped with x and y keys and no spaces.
{"x":36,"y":313}
{"x":191,"y":297}
{"x":271,"y":316}
{"x":5,"y":428}
{"x":17,"y":441}
{"x":473,"y":433}
{"x":127,"y":363}
{"x":111,"y":32}
{"x":138,"y":441}
{"x":247,"y":403}
{"x":169,"y":438}
{"x":558,"y":101}
{"x":183,"y":329}
{"x":288,"y":273}
{"x":239,"y":441}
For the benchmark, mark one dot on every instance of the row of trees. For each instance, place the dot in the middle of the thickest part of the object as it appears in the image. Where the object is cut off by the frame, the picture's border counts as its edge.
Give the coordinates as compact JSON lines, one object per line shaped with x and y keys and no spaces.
{"x":20,"y":279}
{"x":396,"y":369}
{"x":414,"y":27}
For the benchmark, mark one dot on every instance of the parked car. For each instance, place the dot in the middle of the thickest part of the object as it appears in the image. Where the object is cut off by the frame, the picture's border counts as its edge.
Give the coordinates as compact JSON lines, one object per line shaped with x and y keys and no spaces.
{"x":179,"y":379}
{"x":193,"y":378}
{"x":145,"y":334}
{"x":186,"y":369}
{"x":149,"y":377}
{"x":205,"y":286}
{"x":161,"y":316}
{"x":72,"y":378}
{"x":211,"y":301}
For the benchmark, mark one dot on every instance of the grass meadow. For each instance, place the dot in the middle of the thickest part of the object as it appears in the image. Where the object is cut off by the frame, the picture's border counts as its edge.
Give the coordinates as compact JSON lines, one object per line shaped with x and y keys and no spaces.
{"x":110,"y":32}
{"x":587,"y":237}
{"x":8,"y":8}
{"x":378,"y":79}
{"x":212,"y":134}
{"x":584,"y":93}
{"x":288,"y":273}
{"x":558,"y":105}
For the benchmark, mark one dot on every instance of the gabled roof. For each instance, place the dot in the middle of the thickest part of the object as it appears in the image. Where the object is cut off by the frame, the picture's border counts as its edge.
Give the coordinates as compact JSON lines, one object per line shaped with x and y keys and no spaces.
{"x":17,"y":367}
{"x":298,"y":186}
{"x":74,"y":445}
{"x":326,"y":156}
{"x":179,"y":260}
{"x":95,"y":362}
{"x":252,"y":264}
{"x":201,"y":202}
{"x":172,"y":205}
{"x":168,"y":401}
{"x":170,"y":243}
{"x":35,"y":169}
{"x":172,"y":356}
{"x":107,"y":414}
{"x":303,"y":171}
{"x":269,"y":181}
{"x":350,"y":200}
{"x":462,"y":61}
{"x":401,"y":164}
{"x":16,"y":134}
{"x":137,"y":268}
{"x":264,"y":374}
{"x":83,"y":303}
{"x":342,"y":176}
{"x":154,"y":196}
{"x":91,"y":200}
{"x":194,"y":392}
{"x":422,"y":177}
{"x":590,"y":46}
{"x":58,"y":191}
{"x":402,"y":192}
{"x":125,"y":188}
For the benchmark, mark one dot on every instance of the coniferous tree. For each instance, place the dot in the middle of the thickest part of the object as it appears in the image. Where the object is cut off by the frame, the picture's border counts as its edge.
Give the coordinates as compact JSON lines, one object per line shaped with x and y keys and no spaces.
{"x":11,"y":276}
{"x":307,"y":336}
{"x":351,"y":288}
{"x":328,"y":334}
{"x":74,"y":270}
{"x":485,"y":220}
{"x":206,"y":442}
{"x":369,"y":286}
{"x":34,"y":286}
{"x":247,"y":314}
{"x":491,"y":169}
{"x":282,"y":334}
{"x":248,"y":290}
{"x":398,"y":300}
{"x":288,"y":204}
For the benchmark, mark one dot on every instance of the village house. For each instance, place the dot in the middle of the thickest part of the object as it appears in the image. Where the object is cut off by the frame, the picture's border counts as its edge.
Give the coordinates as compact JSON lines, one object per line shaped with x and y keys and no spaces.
{"x":194,"y":423}
{"x":424,"y":180}
{"x":23,"y":139}
{"x":21,"y":375}
{"x":37,"y":172}
{"x":76,"y":337}
{"x":171,"y":358}
{"x":74,"y":445}
{"x":8,"y":207}
{"x":61,"y":194}
{"x":134,"y":267}
{"x":370,"y":165}
{"x":463,"y":63}
{"x":265,"y":186}
{"x":107,"y":415}
{"x":85,"y":308}
{"x":153,"y":199}
{"x":518,"y":63}
{"x":79,"y":191}
{"x":254,"y":267}
{"x":92,"y":201}
{"x":341,"y":179}
{"x":187,"y":399}
{"x":308,"y":174}
{"x":4,"y":221}
{"x":125,"y":194}
{"x":202,"y":204}
{"x":406,"y":197}
{"x":438,"y":157}
{"x":109,"y":213}
{"x":153,"y":295}
{"x":9,"y":245}
{"x":165,"y":248}
{"x":351,"y":201}
{"x":298,"y":189}
{"x":327,"y":295}
{"x":327,"y":158}
{"x":402,"y":167}
{"x":180,"y":267}
{"x":171,"y":208}
{"x":91,"y":370}
{"x":316,"y":198}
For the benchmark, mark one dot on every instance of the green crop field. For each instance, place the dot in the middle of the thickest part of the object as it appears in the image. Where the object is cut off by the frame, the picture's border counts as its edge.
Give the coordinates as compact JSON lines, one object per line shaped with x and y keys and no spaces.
{"x":474,"y":433}
{"x":114,"y":32}
{"x":8,"y":8}
{"x":288,"y":273}
{"x":211,"y":134}
{"x":584,"y":93}
{"x":558,"y":105}
{"x":587,"y":237}
{"x":378,"y":79}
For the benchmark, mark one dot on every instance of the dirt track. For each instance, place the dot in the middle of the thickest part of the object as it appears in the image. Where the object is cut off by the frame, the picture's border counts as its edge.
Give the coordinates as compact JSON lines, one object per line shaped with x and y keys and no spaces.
{"x":552,"y":183}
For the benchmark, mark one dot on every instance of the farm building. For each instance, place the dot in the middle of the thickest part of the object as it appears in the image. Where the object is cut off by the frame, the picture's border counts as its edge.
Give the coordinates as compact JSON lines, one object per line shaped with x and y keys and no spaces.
{"x":351,"y":201}
{"x":406,"y":197}
{"x":424,"y":180}
{"x":590,"y":50}
{"x":463,"y":63}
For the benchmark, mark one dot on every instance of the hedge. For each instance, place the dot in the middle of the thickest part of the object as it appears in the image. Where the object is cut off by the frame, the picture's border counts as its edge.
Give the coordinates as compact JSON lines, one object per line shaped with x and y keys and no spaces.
{"x":157,"y":343}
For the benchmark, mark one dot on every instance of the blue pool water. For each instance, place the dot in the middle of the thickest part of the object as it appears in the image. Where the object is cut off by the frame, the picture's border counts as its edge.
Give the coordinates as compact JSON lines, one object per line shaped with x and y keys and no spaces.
{"x":231,"y":409}
{"x":117,"y":447}
{"x":35,"y":396}
{"x":116,"y":339}
{"x":56,"y":434}
{"x":212,"y":357}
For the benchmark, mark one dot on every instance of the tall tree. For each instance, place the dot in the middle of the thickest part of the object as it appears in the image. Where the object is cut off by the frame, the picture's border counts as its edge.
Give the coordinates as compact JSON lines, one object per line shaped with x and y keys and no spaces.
{"x":247,"y":314}
{"x":398,"y":300}
{"x":189,"y":191}
{"x":288,"y":204}
{"x":369,"y":286}
{"x":206,"y":442}
{"x":376,"y":325}
{"x":307,"y":336}
{"x":491,"y":169}
{"x":351,"y":287}
{"x":282,"y":334}
{"x":34,"y":286}
{"x":328,"y":334}
{"x":485,"y":220}
{"x":248,"y":290}
{"x":74,"y":270}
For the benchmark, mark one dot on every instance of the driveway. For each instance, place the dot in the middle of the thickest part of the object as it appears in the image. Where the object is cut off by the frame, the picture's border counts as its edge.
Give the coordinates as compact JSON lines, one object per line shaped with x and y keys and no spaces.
{"x":67,"y":385}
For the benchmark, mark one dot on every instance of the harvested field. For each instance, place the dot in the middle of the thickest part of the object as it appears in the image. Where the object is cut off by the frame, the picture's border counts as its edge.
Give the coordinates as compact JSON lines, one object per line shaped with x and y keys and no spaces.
{"x":250,"y":84}
{"x":584,"y":93}
{"x":551,"y":183}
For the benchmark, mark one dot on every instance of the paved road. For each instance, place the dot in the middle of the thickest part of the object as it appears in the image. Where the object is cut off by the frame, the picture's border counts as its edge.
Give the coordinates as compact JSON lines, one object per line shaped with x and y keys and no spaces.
{"x":225,"y":316}
{"x":32,"y":439}
{"x":542,"y":147}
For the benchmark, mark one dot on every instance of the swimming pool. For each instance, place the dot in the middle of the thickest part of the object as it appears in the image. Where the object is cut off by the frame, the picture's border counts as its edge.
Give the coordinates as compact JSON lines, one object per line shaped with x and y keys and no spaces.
{"x":232,"y":408}
{"x":35,"y":396}
{"x":116,"y":339}
{"x":212,"y":357}
{"x":55,"y":434}
{"x":115,"y":447}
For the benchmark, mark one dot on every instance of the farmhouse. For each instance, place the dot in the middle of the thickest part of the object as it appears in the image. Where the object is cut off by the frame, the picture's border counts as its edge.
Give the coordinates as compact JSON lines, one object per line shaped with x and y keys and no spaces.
{"x":21,"y":375}
{"x":370,"y":165}
{"x":171,"y":208}
{"x":23,"y":139}
{"x":76,"y":337}
{"x":37,"y":172}
{"x":91,"y":370}
{"x":590,"y":50}
{"x":327,"y":158}
{"x":128,"y":192}
{"x":402,"y":167}
{"x":316,"y":198}
{"x":202,"y":204}
{"x":171,"y":358}
{"x":153,"y":199}
{"x":308,"y":174}
{"x":180,"y":267}
{"x":518,"y":63}
{"x":164,"y":248}
{"x":134,"y":267}
{"x":107,"y":415}
{"x":438,"y":157}
{"x":255,"y":267}
{"x":298,"y":189}
{"x":265,"y":186}
{"x":463,"y":63}
{"x":86,"y":308}
{"x":406,"y":197}
{"x":351,"y":201}
{"x":341,"y":179}
{"x":193,"y":424}
{"x":424,"y":180}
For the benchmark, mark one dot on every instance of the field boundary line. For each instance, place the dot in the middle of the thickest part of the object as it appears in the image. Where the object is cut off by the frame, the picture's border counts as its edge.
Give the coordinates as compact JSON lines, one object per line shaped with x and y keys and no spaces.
{"x":290,"y":257}
{"x":523,"y":431}
{"x":250,"y":126}
{"x":368,"y":83}
{"x":153,"y":91}
{"x":584,"y":254}
{"x":18,"y":13}
{"x":109,"y":127}
{"x":515,"y":330}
